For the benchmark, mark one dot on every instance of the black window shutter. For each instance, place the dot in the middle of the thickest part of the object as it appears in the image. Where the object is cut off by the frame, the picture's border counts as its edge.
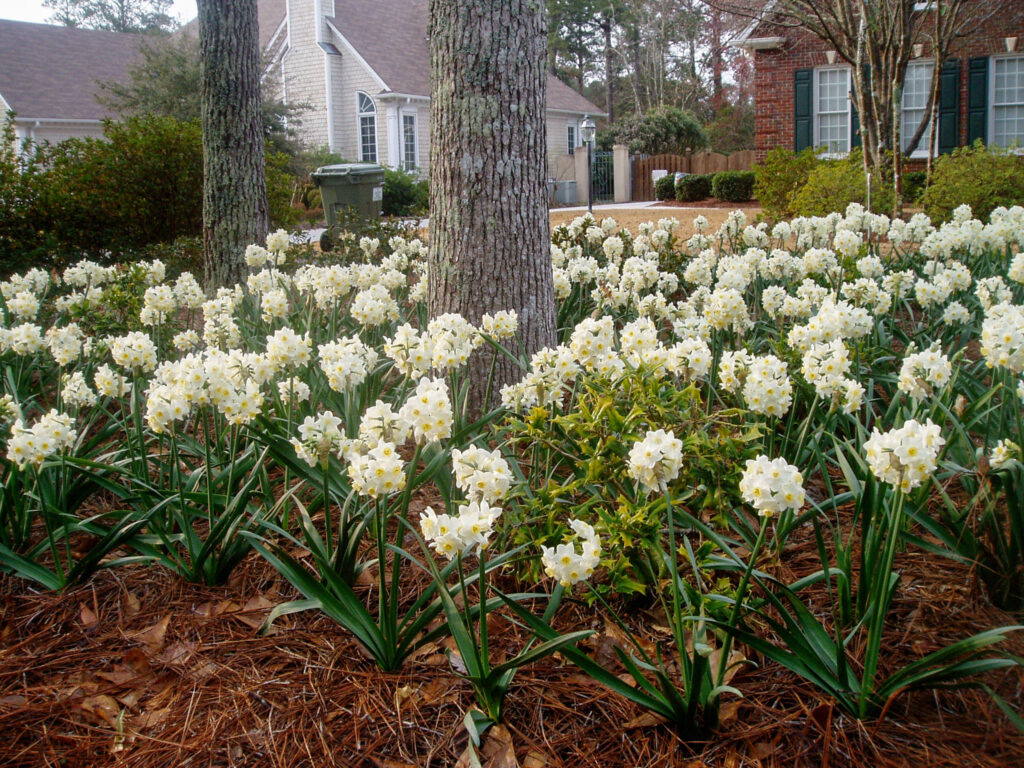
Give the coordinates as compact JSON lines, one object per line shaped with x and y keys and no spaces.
{"x":855,"y":140}
{"x":977,"y":99}
{"x":949,"y":106}
{"x":803,"y":116}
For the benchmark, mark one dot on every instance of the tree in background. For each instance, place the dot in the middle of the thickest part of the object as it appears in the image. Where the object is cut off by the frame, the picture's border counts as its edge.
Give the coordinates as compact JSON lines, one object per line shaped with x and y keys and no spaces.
{"x":235,"y":210}
{"x":663,"y":130}
{"x":113,"y":15}
{"x":489,"y":239}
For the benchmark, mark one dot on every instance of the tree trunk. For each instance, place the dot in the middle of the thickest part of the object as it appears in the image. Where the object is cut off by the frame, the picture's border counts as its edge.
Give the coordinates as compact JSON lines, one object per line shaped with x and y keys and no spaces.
{"x":234,"y":176}
{"x":489,"y":234}
{"x":609,"y":82}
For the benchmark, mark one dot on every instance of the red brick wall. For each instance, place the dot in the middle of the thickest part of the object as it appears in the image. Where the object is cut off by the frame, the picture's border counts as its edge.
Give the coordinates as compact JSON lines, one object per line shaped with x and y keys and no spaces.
{"x":773,"y":70}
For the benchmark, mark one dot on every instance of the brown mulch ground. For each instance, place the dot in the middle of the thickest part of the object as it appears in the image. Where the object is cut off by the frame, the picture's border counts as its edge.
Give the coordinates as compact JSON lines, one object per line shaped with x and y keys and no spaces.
{"x":138,"y":668}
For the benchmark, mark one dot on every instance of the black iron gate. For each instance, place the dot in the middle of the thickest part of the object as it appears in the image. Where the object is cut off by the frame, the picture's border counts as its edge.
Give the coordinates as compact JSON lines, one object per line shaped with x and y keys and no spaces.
{"x":602,"y":177}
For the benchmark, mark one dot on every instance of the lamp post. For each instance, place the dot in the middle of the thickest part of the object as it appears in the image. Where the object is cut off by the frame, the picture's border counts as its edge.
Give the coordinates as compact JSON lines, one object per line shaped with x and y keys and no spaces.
{"x":587,"y":131}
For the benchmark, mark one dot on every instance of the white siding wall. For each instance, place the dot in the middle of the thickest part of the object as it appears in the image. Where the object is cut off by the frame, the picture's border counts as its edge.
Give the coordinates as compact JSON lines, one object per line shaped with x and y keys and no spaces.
{"x":558,"y":138}
{"x":349,"y":78}
{"x":57,"y":132}
{"x":304,"y":72}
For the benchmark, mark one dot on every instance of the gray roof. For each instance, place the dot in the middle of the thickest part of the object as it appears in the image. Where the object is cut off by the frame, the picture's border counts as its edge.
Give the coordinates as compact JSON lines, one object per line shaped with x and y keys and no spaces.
{"x":52,"y":72}
{"x":391,"y":36}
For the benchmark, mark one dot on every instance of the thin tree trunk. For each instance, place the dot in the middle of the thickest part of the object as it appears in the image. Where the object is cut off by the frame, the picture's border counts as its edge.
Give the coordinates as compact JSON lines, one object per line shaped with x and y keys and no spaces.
{"x":234,"y":176}
{"x":489,"y":238}
{"x":609,"y":83}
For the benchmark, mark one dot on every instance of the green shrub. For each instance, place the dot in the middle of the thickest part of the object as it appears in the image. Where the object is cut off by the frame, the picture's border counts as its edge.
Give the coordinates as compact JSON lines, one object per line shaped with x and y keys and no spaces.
{"x":24,"y":240}
{"x":834,"y":184}
{"x":282,"y":186}
{"x":405,"y":194}
{"x":693,"y":186}
{"x":665,"y":187}
{"x":733,"y":186}
{"x":780,"y":177}
{"x":982,"y":177}
{"x":913,"y":185}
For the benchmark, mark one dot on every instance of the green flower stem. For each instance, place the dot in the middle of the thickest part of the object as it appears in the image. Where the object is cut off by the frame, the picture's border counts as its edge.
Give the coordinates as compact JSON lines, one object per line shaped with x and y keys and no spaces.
{"x":741,"y":592}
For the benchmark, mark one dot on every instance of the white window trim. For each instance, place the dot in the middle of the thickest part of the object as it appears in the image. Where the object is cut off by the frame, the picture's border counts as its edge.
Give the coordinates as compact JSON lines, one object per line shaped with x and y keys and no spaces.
{"x":849,"y":112}
{"x":402,"y":114}
{"x":991,"y":106}
{"x":927,"y":5}
{"x":359,"y":128}
{"x":922,"y":148}
{"x":575,"y":128}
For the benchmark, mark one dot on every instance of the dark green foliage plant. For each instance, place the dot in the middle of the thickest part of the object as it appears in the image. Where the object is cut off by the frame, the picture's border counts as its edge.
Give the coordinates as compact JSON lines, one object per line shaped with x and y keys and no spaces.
{"x":693,"y":187}
{"x":982,"y":177}
{"x":665,"y":187}
{"x":733,"y":186}
{"x":405,"y":194}
{"x":913,"y":185}
{"x":780,"y":177}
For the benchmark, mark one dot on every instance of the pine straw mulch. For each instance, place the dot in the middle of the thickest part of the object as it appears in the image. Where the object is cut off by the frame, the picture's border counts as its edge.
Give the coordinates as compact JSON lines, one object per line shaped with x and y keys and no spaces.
{"x":141,"y":669}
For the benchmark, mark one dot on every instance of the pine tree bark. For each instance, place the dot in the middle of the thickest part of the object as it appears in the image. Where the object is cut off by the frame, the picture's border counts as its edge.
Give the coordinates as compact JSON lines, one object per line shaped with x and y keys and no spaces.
{"x":235,"y":211}
{"x":489,"y":226}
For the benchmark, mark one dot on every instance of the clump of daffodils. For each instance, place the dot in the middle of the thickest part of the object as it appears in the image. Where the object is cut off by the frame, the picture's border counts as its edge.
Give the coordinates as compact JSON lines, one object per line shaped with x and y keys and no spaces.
{"x":655,"y":461}
{"x":376,"y":472}
{"x":772,"y":486}
{"x":924,"y":372}
{"x":134,"y":351}
{"x":318,"y":438}
{"x":428,"y":411}
{"x":50,"y":435}
{"x":1002,"y":337}
{"x":453,"y":535}
{"x":481,"y":474}
{"x":501,"y":325}
{"x":569,"y":564}
{"x":904,"y":457}
{"x":346,"y":362}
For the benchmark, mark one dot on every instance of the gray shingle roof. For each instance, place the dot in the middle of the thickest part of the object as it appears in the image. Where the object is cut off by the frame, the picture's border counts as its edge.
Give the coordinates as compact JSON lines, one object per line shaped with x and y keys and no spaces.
{"x":391,"y":36}
{"x":52,"y":72}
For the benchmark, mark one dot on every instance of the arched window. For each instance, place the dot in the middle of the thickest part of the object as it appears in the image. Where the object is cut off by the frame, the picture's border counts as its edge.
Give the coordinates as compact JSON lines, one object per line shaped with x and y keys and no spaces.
{"x":367,"y":128}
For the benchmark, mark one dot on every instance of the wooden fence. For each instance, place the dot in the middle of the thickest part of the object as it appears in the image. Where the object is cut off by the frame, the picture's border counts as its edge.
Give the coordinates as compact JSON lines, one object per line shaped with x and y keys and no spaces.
{"x":700,"y":162}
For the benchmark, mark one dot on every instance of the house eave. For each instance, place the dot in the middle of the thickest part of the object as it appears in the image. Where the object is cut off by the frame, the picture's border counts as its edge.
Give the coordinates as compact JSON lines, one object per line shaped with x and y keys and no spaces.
{"x":758,"y":43}
{"x":358,"y":57}
{"x":398,"y":96}
{"x":591,"y":112}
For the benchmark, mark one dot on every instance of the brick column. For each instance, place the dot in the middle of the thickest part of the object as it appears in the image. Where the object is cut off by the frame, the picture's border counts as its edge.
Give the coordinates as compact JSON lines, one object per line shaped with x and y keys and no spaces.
{"x":621,"y":170}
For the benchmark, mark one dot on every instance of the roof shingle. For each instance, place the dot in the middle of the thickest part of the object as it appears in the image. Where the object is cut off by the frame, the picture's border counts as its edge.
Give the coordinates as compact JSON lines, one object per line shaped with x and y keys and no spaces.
{"x":53,"y":72}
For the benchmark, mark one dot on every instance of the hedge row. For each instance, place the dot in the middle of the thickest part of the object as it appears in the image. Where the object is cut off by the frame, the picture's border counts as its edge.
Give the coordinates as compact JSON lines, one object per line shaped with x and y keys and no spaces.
{"x":731,"y":186}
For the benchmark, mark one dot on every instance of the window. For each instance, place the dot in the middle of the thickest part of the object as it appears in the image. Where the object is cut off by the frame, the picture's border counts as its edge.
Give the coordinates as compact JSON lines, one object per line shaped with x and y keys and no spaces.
{"x":1008,"y":101}
{"x":409,"y":141}
{"x":367,"y":129}
{"x":832,"y":109}
{"x":571,"y":136}
{"x":916,"y":91}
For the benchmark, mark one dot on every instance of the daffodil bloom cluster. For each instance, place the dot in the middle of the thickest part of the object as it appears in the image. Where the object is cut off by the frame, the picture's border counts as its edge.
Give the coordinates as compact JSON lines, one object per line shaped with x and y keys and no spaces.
{"x":428,"y":411}
{"x":66,"y":343}
{"x":318,"y":439}
{"x":411,"y":351}
{"x":922,"y":373}
{"x":453,"y":535}
{"x":568,"y":564}
{"x":546,"y":383}
{"x":50,"y":435}
{"x":346,"y":362}
{"x":1004,"y":452}
{"x":771,"y":486}
{"x":825,"y":366}
{"x":134,"y":351}
{"x":159,"y":303}
{"x":288,"y":350}
{"x":110,"y":383}
{"x":75,"y":390}
{"x":381,"y":423}
{"x":904,"y":457}
{"x":481,"y":474}
{"x":1002,"y":337}
{"x":454,"y":339}
{"x":767,"y":389}
{"x":377,"y":471}
{"x":24,"y":305}
{"x":655,"y":461}
{"x":501,"y":325}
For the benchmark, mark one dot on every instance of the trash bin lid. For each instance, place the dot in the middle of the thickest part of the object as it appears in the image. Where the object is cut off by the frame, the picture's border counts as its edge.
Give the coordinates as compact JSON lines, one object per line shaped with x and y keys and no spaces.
{"x":347,"y":169}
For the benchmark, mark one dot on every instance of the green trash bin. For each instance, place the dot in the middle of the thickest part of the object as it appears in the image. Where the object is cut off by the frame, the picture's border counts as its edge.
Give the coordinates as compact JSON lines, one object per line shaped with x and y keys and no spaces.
{"x":350,"y":185}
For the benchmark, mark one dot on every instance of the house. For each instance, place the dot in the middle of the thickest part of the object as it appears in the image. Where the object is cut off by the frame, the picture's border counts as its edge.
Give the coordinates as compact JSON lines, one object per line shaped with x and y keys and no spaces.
{"x":803,"y":91}
{"x":49,"y":76}
{"x":362,"y":67}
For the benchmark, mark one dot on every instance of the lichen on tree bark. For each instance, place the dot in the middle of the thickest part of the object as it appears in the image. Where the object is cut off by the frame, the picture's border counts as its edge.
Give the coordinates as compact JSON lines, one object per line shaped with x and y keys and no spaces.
{"x":489,"y":229}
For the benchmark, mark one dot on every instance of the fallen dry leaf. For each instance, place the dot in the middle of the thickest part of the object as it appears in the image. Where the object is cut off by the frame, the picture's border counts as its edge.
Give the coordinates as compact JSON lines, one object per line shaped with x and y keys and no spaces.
{"x":535,"y":759}
{"x":88,"y":618}
{"x":153,"y":637}
{"x":151,"y":719}
{"x":101,"y":708}
{"x":497,"y":750}
{"x":15,"y":700}
{"x":645,"y":720}
{"x":131,"y":605}
{"x":728,"y":712}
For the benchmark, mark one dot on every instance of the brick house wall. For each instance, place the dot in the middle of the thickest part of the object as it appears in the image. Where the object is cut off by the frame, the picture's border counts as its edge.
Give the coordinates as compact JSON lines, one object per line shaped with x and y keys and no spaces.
{"x":774,"y":71}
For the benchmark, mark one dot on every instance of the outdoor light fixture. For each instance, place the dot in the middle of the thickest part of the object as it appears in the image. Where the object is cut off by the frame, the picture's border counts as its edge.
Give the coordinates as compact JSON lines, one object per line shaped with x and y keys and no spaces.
{"x":588,"y":129}
{"x":1011,"y":44}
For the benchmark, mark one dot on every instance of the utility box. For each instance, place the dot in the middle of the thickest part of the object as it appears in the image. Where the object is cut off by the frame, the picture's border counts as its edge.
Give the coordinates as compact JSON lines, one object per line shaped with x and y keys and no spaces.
{"x":350,"y":185}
